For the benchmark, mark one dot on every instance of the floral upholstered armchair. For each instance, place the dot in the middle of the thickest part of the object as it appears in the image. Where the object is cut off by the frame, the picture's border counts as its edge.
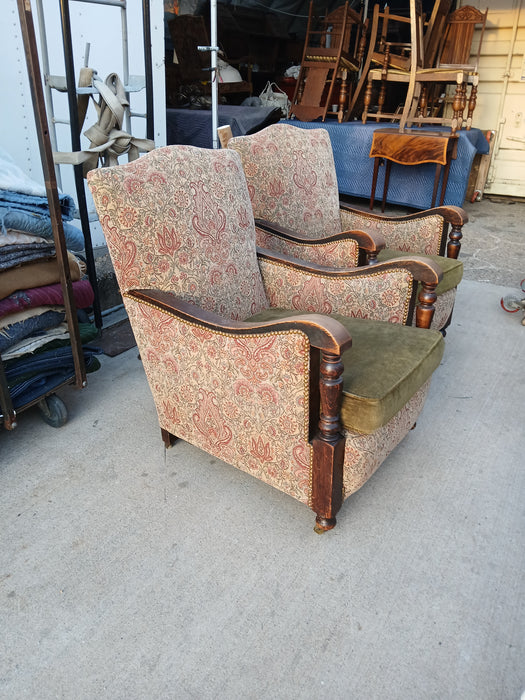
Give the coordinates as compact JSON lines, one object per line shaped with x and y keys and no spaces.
{"x":242,"y":352}
{"x":293,"y":187}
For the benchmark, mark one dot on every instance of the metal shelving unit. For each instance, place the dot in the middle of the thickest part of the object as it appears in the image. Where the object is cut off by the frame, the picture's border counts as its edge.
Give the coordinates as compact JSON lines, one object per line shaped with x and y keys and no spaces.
{"x":8,"y":413}
{"x":67,"y":84}
{"x":52,"y":409}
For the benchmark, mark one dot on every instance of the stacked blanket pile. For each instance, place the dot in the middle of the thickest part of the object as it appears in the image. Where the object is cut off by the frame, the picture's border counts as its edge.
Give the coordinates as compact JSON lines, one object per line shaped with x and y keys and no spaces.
{"x":35,"y":346}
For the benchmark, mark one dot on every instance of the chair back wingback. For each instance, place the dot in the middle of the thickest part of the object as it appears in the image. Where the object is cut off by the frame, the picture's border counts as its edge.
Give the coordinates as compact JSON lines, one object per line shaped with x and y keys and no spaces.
{"x":291,"y":178}
{"x":179,"y":220}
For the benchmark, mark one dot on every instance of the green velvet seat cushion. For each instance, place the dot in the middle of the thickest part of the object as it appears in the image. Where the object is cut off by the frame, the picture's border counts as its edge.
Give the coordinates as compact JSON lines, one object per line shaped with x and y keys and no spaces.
{"x":383,"y":369}
{"x":452,"y":269}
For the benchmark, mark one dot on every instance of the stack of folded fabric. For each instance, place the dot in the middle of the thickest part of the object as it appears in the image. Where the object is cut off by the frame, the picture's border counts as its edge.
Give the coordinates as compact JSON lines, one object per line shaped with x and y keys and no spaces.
{"x":35,"y":346}
{"x":24,"y":206}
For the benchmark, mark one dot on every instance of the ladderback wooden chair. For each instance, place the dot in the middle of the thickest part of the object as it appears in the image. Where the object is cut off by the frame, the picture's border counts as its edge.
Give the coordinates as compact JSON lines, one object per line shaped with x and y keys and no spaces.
{"x":293,"y":188}
{"x":415,"y":110}
{"x":243,"y":353}
{"x":370,"y":33}
{"x":332,"y":50}
{"x":456,"y":45}
{"x":384,"y":54}
{"x":420,"y":74}
{"x":454,"y":53}
{"x":395,"y":73}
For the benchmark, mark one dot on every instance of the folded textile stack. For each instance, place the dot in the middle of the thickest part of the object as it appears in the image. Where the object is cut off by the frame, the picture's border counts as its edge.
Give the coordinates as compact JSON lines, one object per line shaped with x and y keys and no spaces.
{"x":24,"y":206}
{"x":35,"y":346}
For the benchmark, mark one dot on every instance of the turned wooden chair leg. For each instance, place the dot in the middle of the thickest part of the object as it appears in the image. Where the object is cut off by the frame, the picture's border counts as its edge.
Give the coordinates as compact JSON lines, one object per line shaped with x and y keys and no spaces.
{"x":456,"y":108}
{"x":381,"y":99}
{"x":329,"y":445}
{"x":423,"y":102}
{"x":472,"y":102}
{"x":343,"y":95}
{"x":425,"y":309}
{"x":367,"y":99}
{"x":463,"y":103}
{"x":168,"y":438}
{"x":454,"y":242}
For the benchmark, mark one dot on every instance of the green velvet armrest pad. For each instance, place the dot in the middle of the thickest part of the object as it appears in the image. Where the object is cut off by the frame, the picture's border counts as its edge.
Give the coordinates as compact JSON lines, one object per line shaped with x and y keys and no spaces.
{"x":452,"y":269}
{"x":383,"y":369}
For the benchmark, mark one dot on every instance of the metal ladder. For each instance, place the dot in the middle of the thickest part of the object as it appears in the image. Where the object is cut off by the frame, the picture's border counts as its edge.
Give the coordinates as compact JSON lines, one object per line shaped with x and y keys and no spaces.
{"x":67,"y":84}
{"x":8,"y":415}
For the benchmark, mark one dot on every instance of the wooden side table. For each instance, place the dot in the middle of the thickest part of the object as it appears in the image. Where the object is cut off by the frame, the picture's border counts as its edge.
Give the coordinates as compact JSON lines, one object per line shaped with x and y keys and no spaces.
{"x":413,"y":147}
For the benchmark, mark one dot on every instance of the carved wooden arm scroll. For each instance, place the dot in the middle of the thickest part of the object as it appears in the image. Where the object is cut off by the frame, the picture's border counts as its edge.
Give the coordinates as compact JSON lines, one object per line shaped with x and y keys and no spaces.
{"x":323,"y":332}
{"x":456,"y":217}
{"x":369,"y":242}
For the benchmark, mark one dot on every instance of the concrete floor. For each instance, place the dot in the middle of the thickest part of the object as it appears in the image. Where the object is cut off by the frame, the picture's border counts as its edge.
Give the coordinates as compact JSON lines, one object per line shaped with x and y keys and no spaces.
{"x":128,"y":571}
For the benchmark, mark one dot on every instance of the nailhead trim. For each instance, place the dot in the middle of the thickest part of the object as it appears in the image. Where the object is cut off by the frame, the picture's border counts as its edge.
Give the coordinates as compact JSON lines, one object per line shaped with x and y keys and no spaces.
{"x":309,"y":244}
{"x":370,"y":274}
{"x":306,"y":362}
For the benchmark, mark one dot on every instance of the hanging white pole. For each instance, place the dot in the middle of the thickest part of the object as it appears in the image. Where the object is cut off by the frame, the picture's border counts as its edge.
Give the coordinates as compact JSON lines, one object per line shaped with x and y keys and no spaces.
{"x":213,"y":49}
{"x":214,"y":74}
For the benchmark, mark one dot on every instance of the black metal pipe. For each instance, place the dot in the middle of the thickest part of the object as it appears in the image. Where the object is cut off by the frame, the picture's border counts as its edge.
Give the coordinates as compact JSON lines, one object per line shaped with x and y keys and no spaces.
{"x":148,"y":64}
{"x":78,"y":169}
{"x":7,"y":412}
{"x":46,"y":156}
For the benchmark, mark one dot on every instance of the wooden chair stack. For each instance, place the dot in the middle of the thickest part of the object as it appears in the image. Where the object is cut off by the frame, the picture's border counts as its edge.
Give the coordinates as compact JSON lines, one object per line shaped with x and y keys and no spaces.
{"x":333,"y":48}
{"x":439,"y":54}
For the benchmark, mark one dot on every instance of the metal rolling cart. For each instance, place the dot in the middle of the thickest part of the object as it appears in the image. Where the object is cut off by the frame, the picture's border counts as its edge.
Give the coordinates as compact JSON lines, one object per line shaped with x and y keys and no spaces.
{"x":52,"y":408}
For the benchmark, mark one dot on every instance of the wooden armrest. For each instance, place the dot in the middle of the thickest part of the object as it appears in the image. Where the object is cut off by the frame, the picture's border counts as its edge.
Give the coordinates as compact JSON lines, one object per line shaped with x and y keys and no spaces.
{"x":452,"y":214}
{"x":323,"y":332}
{"x":369,"y":242}
{"x":423,"y":269}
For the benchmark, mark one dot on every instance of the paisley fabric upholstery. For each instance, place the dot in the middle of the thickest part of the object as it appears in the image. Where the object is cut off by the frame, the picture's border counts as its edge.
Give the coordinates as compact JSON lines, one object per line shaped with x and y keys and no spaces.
{"x":182,"y":224}
{"x":386,"y":365}
{"x":452,"y":269}
{"x":421,"y":236}
{"x":270,"y":158}
{"x":243,"y":399}
{"x":382,"y":296}
{"x":444,"y":306}
{"x":291,"y":178}
{"x":341,"y":253}
{"x":179,"y":220}
{"x":446,"y":290}
{"x":292,"y":182}
{"x":365,"y":453}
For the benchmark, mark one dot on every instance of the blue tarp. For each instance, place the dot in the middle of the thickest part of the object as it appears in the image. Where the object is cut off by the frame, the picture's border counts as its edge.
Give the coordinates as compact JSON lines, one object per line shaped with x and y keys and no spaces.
{"x":410,"y":186}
